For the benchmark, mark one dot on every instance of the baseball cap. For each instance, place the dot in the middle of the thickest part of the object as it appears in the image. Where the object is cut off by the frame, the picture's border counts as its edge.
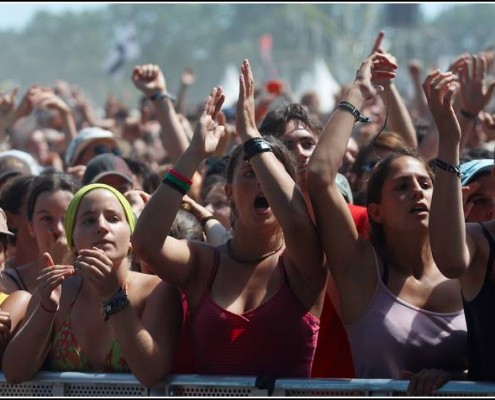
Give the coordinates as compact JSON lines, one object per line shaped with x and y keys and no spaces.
{"x":344,"y":187}
{"x":3,"y":224}
{"x":106,"y":164}
{"x":470,"y":169}
{"x":83,"y":139}
{"x":17,"y":162}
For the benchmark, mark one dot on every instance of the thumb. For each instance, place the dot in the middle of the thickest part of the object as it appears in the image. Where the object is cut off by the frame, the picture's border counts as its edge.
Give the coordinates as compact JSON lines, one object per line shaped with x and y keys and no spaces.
{"x":405,"y":374}
{"x":48,"y":260}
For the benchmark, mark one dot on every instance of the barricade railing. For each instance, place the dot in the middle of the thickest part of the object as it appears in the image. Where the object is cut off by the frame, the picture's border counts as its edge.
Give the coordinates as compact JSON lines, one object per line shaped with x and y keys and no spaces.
{"x":66,"y":384}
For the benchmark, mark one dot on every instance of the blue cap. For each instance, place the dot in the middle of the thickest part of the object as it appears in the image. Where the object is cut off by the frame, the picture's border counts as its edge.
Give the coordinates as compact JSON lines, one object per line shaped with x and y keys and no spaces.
{"x":470,"y":169}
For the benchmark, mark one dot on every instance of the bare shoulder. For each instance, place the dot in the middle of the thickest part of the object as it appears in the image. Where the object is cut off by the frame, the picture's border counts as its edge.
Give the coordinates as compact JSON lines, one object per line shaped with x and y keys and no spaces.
{"x":16,"y":299}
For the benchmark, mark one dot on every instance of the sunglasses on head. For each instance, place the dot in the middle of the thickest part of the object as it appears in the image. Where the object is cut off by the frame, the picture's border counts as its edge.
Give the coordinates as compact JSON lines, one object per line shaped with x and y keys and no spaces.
{"x":102,"y":149}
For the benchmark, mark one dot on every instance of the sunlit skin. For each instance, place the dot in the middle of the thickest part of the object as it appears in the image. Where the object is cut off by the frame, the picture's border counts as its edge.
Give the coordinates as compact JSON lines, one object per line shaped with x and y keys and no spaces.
{"x":406,"y":197}
{"x":482,"y":200}
{"x":47,"y":224}
{"x":101,"y":223}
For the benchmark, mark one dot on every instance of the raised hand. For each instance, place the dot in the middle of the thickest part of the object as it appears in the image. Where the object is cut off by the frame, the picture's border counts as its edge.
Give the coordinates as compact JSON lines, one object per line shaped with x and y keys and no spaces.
{"x":208,"y":132}
{"x":149,"y":79}
{"x":377,"y":48}
{"x":245,"y":121}
{"x":475,"y":93}
{"x":187,"y":78}
{"x":49,"y":281}
{"x":7,"y":103}
{"x":374,"y":70}
{"x":28,"y":102}
{"x":440,"y":88}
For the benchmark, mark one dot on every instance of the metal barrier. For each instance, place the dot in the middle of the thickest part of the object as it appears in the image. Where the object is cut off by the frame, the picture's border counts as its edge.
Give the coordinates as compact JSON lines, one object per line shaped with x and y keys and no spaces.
{"x":126,"y":385}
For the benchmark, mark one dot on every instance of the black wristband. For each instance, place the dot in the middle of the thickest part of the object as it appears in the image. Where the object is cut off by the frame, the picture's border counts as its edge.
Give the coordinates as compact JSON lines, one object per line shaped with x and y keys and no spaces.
{"x":162,"y":95}
{"x":467,"y":114}
{"x":344,"y":105}
{"x":173,"y":185}
{"x":117,"y":303}
{"x":254,"y":146}
{"x":448,"y":167}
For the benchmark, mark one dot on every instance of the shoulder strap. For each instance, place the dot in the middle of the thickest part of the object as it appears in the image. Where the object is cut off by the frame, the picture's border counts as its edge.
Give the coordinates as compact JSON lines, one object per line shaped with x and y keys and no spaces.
{"x":213,"y":273}
{"x":491,"y":243}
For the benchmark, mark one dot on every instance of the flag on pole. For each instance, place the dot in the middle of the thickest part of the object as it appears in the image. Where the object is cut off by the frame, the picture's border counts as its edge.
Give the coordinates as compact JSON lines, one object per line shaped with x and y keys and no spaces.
{"x":125,"y":48}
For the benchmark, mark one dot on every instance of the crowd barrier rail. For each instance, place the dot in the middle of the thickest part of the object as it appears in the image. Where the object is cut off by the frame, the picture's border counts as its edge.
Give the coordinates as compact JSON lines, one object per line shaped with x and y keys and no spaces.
{"x":66,"y":384}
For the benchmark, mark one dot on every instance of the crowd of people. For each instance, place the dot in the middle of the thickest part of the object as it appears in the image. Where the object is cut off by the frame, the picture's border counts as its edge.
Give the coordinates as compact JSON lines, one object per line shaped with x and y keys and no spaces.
{"x":268,"y":239}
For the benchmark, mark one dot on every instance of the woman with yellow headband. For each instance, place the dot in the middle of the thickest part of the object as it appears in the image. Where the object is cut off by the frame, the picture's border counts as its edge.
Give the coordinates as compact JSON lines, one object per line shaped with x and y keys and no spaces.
{"x":138,"y":327}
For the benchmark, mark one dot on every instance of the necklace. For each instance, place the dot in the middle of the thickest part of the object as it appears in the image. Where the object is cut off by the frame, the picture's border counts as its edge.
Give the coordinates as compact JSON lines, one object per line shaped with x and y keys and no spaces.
{"x":255,"y":261}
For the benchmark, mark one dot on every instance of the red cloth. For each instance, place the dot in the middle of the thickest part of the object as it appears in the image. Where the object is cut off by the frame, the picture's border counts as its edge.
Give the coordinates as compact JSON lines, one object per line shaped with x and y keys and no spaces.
{"x":275,"y":339}
{"x":333,"y":358}
{"x":184,"y":360}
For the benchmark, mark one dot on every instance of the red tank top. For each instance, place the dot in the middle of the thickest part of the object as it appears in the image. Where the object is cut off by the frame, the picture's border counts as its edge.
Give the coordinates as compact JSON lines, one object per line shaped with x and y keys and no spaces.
{"x":276,"y":339}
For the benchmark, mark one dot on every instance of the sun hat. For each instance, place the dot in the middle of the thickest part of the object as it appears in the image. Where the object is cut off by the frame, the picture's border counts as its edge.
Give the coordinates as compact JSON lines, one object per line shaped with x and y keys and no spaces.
{"x":83,"y":139}
{"x":3,"y":224}
{"x":17,"y":162}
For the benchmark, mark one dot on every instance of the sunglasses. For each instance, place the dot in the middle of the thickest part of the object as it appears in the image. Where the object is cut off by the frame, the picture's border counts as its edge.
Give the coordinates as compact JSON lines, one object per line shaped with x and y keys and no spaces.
{"x":102,"y":149}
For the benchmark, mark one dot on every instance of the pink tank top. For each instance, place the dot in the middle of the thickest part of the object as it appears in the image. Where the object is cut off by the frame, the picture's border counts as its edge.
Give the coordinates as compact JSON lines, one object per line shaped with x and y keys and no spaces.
{"x":276,"y":339}
{"x":393,"y":336}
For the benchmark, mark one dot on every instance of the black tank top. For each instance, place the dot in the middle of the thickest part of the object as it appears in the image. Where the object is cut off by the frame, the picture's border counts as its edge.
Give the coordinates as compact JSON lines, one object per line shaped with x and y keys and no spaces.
{"x":480,"y":321}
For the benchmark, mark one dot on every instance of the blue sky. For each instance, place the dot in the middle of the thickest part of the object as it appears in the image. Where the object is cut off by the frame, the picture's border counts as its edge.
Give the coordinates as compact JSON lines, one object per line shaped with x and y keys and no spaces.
{"x":17,"y":15}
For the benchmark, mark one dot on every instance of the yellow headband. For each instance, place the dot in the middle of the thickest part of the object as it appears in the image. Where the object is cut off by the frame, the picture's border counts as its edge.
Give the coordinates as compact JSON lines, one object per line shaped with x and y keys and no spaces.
{"x":70,"y":214}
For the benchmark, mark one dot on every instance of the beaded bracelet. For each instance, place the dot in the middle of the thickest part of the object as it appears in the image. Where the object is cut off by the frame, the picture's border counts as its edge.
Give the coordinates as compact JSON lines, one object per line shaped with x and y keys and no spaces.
{"x":115,"y":304}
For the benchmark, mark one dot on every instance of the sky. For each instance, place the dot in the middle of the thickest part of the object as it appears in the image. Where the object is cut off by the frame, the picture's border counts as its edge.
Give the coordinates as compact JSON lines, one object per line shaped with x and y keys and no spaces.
{"x":17,"y":15}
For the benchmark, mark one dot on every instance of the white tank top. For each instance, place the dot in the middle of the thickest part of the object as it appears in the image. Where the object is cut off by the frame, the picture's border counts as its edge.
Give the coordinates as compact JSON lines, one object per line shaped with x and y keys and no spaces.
{"x":393,"y":336}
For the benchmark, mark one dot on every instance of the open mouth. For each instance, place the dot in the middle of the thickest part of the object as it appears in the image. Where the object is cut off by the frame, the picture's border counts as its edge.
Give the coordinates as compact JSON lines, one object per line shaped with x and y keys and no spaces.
{"x":419,"y":209}
{"x":261,"y":203}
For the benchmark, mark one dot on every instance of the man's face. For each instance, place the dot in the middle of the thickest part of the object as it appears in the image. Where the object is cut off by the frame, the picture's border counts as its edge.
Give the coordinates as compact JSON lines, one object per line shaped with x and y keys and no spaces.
{"x":482,"y":200}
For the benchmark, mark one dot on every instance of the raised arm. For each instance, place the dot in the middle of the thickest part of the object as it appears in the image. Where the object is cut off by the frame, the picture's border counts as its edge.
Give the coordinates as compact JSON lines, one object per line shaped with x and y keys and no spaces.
{"x":175,"y":260}
{"x":150,"y":80}
{"x":399,"y":118}
{"x":447,"y":228}
{"x":474,"y":93}
{"x":335,"y":224}
{"x":303,"y":249}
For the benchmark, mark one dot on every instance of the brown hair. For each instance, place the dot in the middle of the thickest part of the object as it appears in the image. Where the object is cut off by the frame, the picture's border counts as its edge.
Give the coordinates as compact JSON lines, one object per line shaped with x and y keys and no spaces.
{"x":375,"y":185}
